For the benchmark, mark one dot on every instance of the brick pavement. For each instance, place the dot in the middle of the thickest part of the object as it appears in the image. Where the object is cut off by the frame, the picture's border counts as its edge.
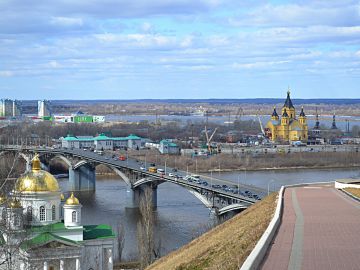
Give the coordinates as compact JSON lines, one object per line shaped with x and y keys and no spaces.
{"x":331,"y":238}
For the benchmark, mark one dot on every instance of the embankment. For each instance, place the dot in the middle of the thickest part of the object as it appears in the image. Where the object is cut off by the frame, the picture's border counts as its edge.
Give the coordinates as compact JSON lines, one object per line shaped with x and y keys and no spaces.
{"x":226,"y":246}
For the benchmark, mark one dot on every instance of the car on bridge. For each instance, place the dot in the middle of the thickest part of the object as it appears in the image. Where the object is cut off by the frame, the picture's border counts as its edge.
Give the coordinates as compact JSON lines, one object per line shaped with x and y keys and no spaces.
{"x":161,"y":171}
{"x":152,"y":169}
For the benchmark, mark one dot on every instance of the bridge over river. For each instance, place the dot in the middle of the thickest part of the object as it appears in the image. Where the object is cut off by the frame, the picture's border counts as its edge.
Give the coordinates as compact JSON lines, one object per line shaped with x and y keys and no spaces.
{"x":221,"y":196}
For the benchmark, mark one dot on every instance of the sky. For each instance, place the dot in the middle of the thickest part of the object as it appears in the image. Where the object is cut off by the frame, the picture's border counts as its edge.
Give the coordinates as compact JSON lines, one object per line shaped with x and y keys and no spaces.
{"x":163,"y":49}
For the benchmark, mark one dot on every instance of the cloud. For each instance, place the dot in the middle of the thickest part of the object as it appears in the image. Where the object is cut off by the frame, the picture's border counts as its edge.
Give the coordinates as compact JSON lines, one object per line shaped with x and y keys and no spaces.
{"x":308,"y":14}
{"x":6,"y":73}
{"x":258,"y":65}
{"x":66,"y":21}
{"x":136,"y":44}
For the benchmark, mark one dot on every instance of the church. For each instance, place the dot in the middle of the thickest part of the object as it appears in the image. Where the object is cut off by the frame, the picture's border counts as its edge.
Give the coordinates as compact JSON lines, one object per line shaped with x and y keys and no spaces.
{"x":42,"y":230}
{"x":288,"y":128}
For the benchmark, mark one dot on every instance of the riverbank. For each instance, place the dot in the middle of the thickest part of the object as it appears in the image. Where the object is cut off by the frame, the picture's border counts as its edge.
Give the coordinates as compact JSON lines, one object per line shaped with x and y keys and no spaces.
{"x":244,"y":162}
{"x":226,"y":246}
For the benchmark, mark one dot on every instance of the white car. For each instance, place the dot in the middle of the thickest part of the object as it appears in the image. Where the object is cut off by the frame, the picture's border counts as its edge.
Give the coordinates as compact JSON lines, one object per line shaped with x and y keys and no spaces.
{"x":143,"y":168}
{"x":171,"y":175}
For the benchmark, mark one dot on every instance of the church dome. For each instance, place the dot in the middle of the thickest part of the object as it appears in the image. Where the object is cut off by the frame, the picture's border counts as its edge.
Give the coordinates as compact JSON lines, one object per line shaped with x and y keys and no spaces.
{"x":37,"y":180}
{"x":72,"y":200}
{"x":14,"y":203}
{"x":2,"y":198}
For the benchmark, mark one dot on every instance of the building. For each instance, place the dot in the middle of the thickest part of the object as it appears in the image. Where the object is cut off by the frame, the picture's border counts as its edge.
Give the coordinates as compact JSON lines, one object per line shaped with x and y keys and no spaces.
{"x":44,"y":108}
{"x":102,"y":142}
{"x":6,"y":108}
{"x":168,"y":147}
{"x":16,"y":108}
{"x":47,"y":229}
{"x":79,"y":117}
{"x":288,"y":128}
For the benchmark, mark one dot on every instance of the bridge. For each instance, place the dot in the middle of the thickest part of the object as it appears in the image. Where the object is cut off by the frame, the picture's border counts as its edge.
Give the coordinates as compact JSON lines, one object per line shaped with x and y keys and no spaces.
{"x":221,"y":199}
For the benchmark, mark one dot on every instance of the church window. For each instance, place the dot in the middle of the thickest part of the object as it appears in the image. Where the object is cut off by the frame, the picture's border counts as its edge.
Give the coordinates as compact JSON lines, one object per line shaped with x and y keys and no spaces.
{"x":42,"y":213}
{"x":53,"y":212}
{"x":29,"y":213}
{"x":16,"y":220}
{"x":73,"y":216}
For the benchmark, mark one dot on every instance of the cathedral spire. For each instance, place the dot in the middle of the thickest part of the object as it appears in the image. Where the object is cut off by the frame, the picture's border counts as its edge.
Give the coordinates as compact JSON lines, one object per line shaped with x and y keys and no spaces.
{"x":274,"y":114}
{"x":333,"y":126}
{"x":288,"y":103}
{"x":302,"y":114}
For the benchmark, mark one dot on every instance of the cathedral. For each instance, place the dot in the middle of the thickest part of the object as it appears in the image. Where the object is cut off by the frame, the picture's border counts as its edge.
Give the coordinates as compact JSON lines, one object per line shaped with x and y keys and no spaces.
{"x":288,"y":128}
{"x":42,"y":230}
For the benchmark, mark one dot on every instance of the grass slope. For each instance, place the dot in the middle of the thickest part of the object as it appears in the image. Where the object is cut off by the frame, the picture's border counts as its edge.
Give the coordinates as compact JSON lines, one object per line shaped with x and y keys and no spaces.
{"x":226,"y":246}
{"x":354,"y":191}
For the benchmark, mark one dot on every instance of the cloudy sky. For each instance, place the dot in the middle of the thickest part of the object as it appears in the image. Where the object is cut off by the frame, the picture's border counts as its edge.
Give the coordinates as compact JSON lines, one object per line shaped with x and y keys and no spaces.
{"x":130,"y":49}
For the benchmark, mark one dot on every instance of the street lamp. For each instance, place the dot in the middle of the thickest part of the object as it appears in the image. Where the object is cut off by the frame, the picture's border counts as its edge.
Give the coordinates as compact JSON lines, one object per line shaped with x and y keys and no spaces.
{"x":272,"y":180}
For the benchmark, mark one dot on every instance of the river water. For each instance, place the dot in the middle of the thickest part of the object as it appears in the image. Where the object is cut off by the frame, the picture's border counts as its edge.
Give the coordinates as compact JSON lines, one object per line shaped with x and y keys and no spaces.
{"x":180,"y":216}
{"x":220,"y":120}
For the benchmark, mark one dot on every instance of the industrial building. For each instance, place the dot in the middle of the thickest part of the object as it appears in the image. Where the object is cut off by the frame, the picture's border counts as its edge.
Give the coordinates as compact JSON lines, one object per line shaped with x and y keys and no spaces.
{"x":79,"y":117}
{"x":169,"y":147}
{"x":44,"y":108}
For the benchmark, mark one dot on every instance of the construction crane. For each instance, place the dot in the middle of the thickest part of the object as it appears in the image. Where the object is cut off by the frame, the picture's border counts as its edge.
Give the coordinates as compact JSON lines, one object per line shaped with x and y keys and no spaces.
{"x":208,"y":139}
{"x":239,"y":113}
{"x":261,"y":125}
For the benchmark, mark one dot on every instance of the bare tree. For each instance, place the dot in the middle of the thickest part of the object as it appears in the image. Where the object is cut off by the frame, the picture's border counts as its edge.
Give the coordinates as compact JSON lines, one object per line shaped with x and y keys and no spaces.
{"x":10,"y":247}
{"x":120,"y":240}
{"x":145,"y":229}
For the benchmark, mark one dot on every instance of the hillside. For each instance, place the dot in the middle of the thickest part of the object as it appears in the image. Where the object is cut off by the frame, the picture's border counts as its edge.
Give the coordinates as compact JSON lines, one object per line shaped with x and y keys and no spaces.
{"x":226,"y":246}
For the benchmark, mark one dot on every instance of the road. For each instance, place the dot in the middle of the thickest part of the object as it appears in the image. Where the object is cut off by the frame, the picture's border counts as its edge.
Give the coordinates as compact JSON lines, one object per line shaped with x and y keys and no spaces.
{"x":136,"y":165}
{"x":319,"y":230}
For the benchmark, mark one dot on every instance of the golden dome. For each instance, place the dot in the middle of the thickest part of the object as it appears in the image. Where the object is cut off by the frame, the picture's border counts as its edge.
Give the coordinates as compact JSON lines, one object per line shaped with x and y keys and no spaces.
{"x":36,"y":180}
{"x":14,"y":203}
{"x":62,"y":198}
{"x":72,"y":200}
{"x":2,"y":199}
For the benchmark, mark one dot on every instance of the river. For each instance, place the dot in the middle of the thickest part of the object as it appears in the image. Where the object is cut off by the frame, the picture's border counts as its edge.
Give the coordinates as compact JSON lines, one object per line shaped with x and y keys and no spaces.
{"x":179,"y":215}
{"x":341,"y":120}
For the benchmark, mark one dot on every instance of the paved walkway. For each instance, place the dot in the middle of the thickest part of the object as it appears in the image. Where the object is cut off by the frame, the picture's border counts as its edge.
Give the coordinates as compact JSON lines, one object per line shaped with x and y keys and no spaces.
{"x":320,"y":229}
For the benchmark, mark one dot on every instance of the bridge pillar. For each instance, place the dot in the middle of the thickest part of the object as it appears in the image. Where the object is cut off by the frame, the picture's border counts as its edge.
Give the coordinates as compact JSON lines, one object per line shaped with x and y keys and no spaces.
{"x":214,"y":216}
{"x":82,"y":178}
{"x":133,"y":196}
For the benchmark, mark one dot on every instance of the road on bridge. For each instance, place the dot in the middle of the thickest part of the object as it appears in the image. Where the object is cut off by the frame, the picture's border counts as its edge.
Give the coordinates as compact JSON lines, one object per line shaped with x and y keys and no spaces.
{"x":230,"y":191}
{"x":319,"y":230}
